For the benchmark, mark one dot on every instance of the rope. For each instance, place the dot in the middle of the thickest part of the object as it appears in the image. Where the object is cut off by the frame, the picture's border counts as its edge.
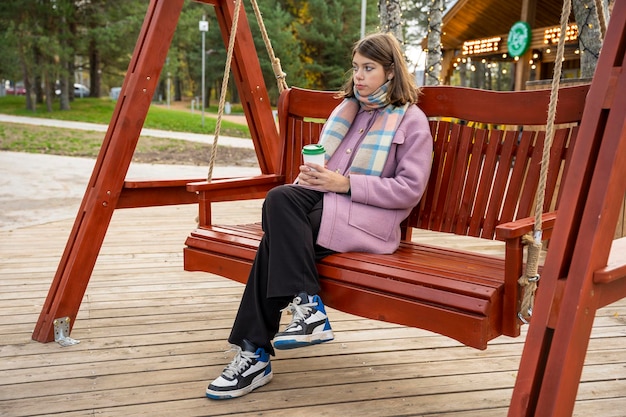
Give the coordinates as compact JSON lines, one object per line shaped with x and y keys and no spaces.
{"x":278,"y":71}
{"x":529,"y":280}
{"x":220,"y":112}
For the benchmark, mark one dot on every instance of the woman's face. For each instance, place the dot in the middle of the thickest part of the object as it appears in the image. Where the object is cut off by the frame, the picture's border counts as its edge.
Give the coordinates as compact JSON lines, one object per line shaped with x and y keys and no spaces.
{"x":368,"y":75}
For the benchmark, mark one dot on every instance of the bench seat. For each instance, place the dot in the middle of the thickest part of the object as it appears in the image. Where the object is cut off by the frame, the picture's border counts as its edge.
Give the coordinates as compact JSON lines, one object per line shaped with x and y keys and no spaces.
{"x":407,"y":287}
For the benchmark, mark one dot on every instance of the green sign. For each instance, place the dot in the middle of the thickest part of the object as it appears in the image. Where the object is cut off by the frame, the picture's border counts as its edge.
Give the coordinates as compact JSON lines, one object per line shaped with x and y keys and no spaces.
{"x":519,"y":38}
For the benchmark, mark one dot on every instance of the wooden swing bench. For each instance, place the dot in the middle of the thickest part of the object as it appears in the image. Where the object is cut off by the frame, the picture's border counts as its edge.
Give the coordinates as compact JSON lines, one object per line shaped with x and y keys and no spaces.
{"x":482,"y":184}
{"x":486,"y":162}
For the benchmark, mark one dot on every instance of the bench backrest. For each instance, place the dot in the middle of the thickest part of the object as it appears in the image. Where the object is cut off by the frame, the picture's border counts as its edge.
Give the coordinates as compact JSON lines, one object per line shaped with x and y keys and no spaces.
{"x":487,"y":151}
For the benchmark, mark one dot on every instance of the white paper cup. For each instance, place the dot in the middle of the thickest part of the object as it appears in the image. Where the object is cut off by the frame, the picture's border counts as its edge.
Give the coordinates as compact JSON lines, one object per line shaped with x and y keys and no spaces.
{"x":313,"y":154}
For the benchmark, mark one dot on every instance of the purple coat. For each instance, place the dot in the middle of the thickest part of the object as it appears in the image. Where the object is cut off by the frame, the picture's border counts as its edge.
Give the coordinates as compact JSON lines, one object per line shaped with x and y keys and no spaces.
{"x":368,"y":219}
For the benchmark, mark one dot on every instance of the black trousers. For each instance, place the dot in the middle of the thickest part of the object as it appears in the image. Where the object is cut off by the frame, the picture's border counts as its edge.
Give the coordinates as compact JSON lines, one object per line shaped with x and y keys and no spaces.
{"x":284,"y":265}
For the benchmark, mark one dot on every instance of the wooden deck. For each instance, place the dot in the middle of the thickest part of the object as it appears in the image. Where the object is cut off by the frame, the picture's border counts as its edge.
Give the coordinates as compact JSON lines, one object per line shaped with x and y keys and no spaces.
{"x":152,"y":335}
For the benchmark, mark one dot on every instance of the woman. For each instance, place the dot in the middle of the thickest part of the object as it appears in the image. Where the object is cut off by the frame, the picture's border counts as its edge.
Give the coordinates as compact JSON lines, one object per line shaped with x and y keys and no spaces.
{"x":378,"y":158}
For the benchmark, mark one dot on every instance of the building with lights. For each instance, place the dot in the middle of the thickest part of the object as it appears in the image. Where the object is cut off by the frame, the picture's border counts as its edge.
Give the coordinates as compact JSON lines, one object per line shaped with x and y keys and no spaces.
{"x":506,"y":45}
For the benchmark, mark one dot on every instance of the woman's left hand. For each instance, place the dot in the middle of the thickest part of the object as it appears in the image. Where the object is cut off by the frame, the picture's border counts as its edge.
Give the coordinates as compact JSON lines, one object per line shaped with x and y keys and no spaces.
{"x":317,"y":176}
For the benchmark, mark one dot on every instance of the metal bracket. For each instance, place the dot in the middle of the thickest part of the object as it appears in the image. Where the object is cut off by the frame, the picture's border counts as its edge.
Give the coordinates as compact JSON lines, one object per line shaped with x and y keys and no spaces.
{"x":523,"y":319}
{"x":529,"y":313}
{"x":62,"y":332}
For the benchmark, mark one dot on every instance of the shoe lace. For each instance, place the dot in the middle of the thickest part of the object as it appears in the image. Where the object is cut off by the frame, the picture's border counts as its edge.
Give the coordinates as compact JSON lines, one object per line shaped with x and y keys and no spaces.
{"x":240,"y":362}
{"x":299,"y":311}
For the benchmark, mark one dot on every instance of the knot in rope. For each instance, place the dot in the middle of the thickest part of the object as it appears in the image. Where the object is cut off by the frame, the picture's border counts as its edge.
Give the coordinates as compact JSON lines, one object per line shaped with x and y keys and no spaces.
{"x":281,"y":76}
{"x":529,"y":281}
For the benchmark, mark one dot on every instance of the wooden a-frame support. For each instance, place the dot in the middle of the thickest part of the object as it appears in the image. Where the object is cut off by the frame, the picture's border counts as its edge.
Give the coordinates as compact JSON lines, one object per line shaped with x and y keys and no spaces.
{"x":105,"y":190}
{"x":576,"y":280}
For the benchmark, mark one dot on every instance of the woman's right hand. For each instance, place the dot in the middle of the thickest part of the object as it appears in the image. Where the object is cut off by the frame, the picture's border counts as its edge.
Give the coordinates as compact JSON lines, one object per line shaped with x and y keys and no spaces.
{"x":317,"y":176}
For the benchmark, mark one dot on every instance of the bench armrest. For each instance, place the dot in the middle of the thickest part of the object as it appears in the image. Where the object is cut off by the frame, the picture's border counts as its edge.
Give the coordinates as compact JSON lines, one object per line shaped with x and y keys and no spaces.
{"x":231,"y":189}
{"x":240,"y":188}
{"x":155,"y":192}
{"x":520,"y":227}
{"x":615,"y":268}
{"x":511,"y":233}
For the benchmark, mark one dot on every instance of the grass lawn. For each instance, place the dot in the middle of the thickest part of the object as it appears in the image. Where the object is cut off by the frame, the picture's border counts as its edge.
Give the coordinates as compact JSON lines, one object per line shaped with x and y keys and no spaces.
{"x":99,"y":110}
{"x":69,"y":142}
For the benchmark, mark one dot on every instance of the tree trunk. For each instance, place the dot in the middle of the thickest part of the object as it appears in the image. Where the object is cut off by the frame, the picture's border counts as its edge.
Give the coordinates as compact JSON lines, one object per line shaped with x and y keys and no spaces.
{"x":39,"y":63}
{"x":49,"y":86}
{"x":391,"y":18}
{"x":178,"y":89}
{"x":30,"y":104}
{"x":94,"y":73}
{"x":434,"y":53}
{"x":589,"y":34}
{"x":65,"y":91}
{"x":68,"y":78}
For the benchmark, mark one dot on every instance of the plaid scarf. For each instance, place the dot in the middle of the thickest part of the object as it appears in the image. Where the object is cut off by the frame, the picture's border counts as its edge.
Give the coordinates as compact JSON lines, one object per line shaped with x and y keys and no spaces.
{"x":374,"y":150}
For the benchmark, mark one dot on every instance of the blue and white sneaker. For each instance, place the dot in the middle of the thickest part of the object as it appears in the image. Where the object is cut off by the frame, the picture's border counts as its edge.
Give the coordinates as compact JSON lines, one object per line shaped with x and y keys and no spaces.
{"x":250,"y":369}
{"x":309,"y":324}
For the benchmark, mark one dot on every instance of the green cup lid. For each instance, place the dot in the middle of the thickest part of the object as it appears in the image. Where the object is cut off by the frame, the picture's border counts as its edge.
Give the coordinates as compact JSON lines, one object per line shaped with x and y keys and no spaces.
{"x":313,"y":149}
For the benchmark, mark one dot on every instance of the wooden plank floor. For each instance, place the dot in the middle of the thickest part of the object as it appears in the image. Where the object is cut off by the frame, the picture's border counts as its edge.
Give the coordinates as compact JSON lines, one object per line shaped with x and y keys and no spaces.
{"x":152,"y":335}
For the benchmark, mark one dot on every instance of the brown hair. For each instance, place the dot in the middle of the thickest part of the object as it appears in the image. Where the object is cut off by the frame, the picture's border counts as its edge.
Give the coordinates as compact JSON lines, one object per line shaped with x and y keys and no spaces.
{"x":385,"y":49}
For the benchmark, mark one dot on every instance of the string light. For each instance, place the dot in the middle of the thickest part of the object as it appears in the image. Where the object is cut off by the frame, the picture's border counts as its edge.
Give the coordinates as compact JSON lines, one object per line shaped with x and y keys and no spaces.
{"x":551,"y":35}
{"x":481,"y":46}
